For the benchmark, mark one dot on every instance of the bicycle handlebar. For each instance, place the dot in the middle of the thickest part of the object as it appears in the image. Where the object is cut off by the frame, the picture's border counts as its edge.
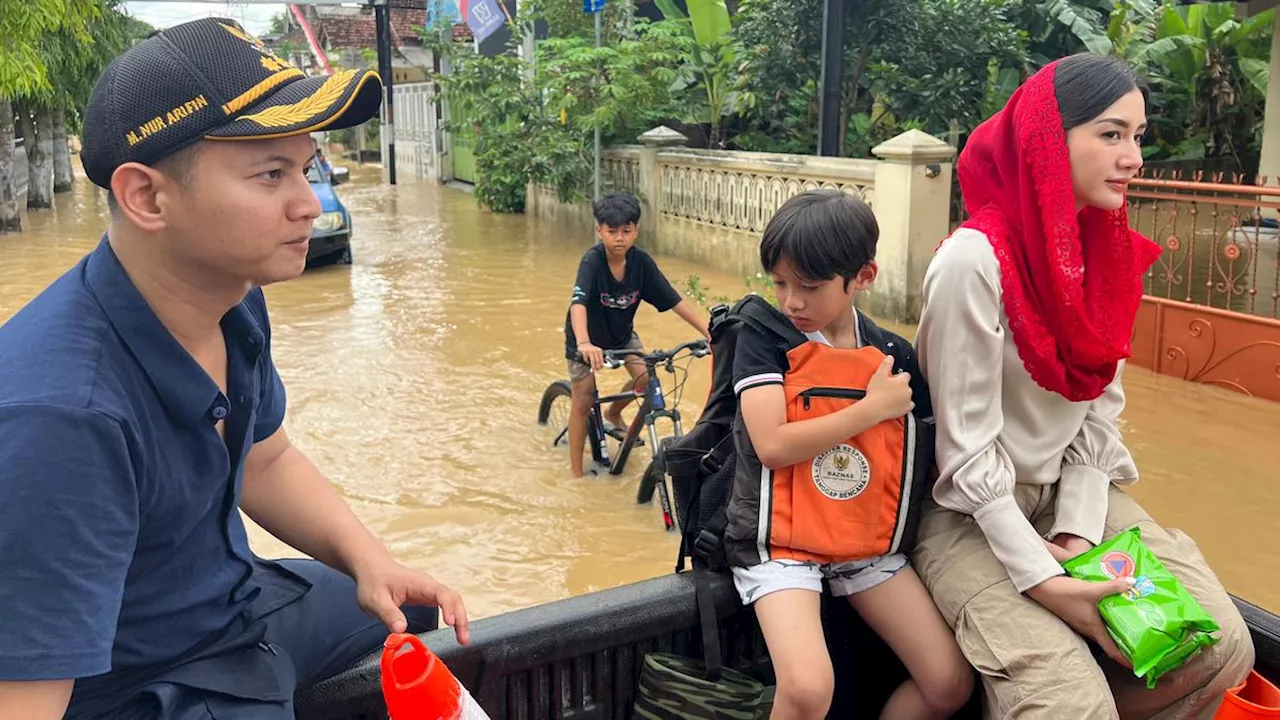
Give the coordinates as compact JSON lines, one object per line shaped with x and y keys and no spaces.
{"x":617,"y":358}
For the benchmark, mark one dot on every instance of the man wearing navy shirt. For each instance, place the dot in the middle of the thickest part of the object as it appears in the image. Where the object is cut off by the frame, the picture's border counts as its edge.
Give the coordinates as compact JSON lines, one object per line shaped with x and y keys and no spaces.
{"x":140,"y":411}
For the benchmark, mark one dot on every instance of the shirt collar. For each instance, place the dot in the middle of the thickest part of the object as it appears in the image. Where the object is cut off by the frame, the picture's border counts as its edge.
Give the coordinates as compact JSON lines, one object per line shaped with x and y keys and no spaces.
{"x":818,"y":337}
{"x":184,"y":387}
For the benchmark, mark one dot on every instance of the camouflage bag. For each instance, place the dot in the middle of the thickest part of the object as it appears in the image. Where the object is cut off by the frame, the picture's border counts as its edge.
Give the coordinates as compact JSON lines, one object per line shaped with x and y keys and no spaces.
{"x":673,"y":687}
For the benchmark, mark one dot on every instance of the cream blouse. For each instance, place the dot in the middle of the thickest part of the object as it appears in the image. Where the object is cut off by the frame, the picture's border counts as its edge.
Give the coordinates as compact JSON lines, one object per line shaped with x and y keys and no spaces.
{"x":998,"y":428}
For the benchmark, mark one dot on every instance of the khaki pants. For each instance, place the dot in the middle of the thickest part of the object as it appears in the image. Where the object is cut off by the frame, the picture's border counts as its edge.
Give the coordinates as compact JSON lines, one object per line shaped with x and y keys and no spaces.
{"x":1031,"y":663}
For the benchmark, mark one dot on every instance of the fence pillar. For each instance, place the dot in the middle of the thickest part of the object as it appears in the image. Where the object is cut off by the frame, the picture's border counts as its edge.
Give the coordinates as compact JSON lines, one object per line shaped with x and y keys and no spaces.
{"x":649,"y":185}
{"x":913,"y":207}
{"x":1269,"y":160}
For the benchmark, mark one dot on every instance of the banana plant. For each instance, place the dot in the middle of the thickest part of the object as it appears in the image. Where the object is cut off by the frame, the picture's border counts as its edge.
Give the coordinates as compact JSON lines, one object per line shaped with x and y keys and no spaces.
{"x":709,"y":19}
{"x":1104,"y":26}
{"x":712,"y":62}
{"x":1211,"y":68}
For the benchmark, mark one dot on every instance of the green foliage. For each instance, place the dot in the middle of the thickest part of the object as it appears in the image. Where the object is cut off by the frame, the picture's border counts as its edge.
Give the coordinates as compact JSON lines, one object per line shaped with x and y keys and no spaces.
{"x":278,"y":22}
{"x":26,"y":27}
{"x":945,"y":65}
{"x":751,"y":79}
{"x":514,"y":139}
{"x":712,"y":61}
{"x":1210,"y":72}
{"x":70,"y":51}
{"x":111,"y":32}
{"x":542,"y":129}
{"x":710,"y":20}
{"x":758,"y":284}
{"x":565,"y":19}
{"x":937,"y":72}
{"x":909,"y":63}
{"x":624,"y":88}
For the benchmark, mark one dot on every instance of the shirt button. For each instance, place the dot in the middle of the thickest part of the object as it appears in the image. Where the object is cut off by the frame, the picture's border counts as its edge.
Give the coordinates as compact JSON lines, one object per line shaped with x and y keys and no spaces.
{"x":219,"y":413}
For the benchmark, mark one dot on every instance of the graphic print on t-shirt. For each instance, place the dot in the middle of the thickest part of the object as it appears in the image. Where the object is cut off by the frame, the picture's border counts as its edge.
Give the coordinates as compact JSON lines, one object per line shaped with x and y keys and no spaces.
{"x":621,"y":302}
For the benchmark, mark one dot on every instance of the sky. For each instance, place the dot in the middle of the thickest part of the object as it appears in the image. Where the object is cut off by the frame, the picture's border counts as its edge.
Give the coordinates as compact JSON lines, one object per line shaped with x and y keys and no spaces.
{"x":255,"y":17}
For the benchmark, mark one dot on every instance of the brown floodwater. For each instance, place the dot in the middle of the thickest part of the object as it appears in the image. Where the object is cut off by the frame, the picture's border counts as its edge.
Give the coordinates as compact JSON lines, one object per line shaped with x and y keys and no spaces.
{"x":414,"y":375}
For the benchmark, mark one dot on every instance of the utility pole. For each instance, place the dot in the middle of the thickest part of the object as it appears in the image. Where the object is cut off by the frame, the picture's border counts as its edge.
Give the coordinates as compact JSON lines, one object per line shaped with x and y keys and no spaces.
{"x":382,"y":22}
{"x":596,"y":195}
{"x":831,"y":78}
{"x":595,"y":7}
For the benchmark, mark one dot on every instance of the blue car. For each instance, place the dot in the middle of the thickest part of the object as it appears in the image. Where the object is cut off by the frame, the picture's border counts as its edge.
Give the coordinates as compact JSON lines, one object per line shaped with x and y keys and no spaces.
{"x":331,"y":232}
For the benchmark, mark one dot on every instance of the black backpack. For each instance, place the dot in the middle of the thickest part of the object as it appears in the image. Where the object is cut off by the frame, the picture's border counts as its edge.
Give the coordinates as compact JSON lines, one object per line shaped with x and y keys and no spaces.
{"x":701,"y":463}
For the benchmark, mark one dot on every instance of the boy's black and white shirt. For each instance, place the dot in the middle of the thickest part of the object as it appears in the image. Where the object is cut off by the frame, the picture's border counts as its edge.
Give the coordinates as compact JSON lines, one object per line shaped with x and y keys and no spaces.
{"x":611,"y":304}
{"x":757,"y":360}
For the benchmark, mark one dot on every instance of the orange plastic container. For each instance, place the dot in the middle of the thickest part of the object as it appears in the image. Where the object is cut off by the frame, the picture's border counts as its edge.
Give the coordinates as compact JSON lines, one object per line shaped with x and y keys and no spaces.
{"x":1255,"y":699}
{"x":418,"y":686}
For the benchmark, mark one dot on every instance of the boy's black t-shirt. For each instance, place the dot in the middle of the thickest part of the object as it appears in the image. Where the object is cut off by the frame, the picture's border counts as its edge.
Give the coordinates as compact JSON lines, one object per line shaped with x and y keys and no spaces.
{"x":612,"y":304}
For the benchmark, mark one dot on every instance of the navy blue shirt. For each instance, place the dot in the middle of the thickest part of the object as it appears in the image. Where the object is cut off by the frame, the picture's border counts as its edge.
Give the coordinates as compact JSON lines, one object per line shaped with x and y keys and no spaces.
{"x":120,"y":538}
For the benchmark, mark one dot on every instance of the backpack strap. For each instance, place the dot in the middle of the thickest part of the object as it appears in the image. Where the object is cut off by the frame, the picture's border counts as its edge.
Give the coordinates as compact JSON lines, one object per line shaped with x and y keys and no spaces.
{"x":709,"y":545}
{"x":757,"y":312}
{"x":873,"y":336}
{"x":712,"y":660}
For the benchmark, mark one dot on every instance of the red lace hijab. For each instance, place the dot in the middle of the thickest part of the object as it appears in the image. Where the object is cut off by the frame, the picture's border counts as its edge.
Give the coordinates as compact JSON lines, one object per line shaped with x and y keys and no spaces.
{"x":1071,"y":327}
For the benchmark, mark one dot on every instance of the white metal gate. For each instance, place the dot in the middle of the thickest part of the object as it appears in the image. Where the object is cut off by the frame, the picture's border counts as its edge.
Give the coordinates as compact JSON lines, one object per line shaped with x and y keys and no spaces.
{"x":417,"y":132}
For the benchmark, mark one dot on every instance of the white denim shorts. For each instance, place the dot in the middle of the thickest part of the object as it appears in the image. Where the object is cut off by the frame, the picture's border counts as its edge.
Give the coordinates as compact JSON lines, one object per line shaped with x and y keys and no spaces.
{"x":845,"y":578}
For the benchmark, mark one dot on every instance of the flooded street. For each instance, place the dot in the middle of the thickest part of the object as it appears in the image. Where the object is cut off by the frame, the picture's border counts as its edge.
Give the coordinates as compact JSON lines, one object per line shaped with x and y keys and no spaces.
{"x":414,"y":376}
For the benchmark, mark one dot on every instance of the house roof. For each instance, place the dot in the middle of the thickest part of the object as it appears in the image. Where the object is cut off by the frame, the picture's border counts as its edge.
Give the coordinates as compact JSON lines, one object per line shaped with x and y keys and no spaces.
{"x":354,"y":27}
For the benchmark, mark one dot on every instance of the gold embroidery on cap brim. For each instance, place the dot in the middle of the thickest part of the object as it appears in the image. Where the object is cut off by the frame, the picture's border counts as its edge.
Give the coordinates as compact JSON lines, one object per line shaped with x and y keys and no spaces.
{"x":333,"y":117}
{"x":248,"y":97}
{"x":307,"y":108}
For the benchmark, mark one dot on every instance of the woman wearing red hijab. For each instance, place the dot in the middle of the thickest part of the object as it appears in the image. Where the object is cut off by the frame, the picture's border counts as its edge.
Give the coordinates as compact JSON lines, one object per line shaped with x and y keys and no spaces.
{"x":1028,"y":311}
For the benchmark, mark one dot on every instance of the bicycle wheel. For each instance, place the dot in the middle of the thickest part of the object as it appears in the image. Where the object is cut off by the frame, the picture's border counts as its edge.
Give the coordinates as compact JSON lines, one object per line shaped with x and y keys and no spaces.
{"x":654,"y":473}
{"x":554,"y":408}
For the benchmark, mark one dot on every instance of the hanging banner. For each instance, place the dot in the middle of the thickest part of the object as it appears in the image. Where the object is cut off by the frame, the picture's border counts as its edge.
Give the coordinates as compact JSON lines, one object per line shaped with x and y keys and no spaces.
{"x":484,"y":17}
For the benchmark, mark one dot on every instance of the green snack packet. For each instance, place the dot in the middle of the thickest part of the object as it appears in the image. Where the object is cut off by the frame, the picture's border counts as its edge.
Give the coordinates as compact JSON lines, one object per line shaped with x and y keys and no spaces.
{"x":1157,"y":624}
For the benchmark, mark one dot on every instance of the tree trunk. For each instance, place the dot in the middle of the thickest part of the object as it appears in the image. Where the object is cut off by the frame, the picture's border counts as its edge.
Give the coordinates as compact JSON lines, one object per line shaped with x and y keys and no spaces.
{"x":62,"y":175}
{"x":10,"y":217}
{"x":40,"y":157}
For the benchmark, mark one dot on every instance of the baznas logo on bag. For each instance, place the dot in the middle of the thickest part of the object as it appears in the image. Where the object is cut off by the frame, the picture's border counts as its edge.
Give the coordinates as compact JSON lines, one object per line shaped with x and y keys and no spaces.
{"x":841,"y":473}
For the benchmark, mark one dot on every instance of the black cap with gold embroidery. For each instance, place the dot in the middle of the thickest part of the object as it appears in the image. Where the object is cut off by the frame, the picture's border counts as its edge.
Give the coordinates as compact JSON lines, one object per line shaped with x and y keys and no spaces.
{"x":210,"y":80}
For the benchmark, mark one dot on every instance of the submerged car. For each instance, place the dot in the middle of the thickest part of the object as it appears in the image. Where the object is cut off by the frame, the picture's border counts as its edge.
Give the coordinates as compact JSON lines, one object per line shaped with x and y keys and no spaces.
{"x":331,"y":232}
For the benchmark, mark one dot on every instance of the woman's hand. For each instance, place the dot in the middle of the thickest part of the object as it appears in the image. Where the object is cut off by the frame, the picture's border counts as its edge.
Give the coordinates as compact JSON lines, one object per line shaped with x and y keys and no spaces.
{"x":1076,"y":603}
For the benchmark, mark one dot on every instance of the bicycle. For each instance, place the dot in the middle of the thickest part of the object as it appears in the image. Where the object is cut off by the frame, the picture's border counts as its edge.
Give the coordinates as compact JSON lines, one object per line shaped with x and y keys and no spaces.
{"x":653,"y":407}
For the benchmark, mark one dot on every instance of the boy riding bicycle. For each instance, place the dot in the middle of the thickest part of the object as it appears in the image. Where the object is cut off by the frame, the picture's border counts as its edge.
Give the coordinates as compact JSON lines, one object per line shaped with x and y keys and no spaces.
{"x":830,"y":437}
{"x":613,"y":277}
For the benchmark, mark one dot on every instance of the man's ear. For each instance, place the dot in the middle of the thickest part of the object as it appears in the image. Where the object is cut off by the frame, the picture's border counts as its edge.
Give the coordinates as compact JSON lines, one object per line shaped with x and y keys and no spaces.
{"x":138,"y":191}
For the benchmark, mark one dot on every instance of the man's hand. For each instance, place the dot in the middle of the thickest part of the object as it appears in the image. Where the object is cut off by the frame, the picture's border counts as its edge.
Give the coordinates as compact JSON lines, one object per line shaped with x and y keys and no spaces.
{"x":384,"y":587}
{"x":1066,"y":546}
{"x":1076,"y":602}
